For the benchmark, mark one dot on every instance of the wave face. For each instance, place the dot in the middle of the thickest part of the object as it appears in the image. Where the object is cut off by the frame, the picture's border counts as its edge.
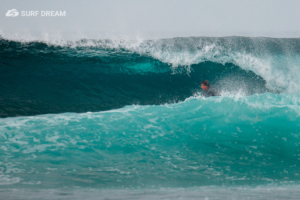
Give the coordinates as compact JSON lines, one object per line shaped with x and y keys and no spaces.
{"x":96,"y":75}
{"x":115,"y":114}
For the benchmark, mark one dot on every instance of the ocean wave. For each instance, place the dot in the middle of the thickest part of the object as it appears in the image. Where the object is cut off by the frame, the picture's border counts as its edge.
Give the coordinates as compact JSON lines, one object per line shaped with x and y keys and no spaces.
{"x":90,"y":75}
{"x":275,"y":60}
{"x":201,"y":141}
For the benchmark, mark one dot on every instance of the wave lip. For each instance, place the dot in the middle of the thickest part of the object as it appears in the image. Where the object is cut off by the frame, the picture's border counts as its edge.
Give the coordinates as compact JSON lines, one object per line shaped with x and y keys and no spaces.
{"x":275,"y":60}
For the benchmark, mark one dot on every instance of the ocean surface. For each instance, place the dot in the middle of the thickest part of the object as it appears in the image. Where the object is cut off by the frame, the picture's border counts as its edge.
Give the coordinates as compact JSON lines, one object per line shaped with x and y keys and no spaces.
{"x":127,"y":119}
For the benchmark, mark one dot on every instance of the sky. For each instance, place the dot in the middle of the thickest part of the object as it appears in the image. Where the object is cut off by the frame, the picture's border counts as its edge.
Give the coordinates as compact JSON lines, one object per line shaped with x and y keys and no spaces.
{"x":153,"y":19}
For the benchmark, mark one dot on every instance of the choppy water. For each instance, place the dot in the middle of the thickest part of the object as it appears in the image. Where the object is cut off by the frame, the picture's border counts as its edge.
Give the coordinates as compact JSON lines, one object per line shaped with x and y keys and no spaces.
{"x":126,"y":117}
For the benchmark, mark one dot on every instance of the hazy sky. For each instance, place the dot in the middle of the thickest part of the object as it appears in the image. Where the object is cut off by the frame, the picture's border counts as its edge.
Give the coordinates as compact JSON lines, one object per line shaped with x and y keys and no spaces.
{"x":163,"y":18}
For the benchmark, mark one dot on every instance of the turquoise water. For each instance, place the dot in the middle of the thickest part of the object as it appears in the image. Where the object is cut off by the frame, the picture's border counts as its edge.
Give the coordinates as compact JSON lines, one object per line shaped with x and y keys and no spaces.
{"x":105,"y":121}
{"x":176,"y":145}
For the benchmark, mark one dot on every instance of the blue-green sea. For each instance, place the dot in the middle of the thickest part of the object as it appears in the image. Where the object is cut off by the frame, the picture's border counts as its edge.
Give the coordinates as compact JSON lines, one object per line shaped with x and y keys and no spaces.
{"x":127,"y":119}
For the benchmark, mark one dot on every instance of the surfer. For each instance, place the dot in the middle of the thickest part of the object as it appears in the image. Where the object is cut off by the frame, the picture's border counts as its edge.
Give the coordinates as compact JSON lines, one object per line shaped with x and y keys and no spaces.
{"x":208,"y":91}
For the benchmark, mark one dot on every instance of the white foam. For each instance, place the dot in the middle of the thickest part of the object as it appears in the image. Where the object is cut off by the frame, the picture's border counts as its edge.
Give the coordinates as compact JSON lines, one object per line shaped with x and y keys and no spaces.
{"x":8,"y":180}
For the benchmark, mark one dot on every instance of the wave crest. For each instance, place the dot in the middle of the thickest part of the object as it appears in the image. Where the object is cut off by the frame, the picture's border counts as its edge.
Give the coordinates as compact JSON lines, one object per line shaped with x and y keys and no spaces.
{"x":276,"y":60}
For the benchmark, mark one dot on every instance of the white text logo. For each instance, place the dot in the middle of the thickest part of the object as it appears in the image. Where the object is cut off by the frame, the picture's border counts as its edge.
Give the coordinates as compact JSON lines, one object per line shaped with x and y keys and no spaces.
{"x":43,"y":13}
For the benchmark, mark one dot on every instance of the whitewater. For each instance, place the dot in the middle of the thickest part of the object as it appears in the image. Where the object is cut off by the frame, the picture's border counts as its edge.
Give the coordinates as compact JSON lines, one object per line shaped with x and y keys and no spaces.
{"x":126,"y":119}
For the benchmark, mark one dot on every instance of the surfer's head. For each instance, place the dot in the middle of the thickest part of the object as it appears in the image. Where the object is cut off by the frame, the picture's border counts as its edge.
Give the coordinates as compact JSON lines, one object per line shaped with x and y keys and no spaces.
{"x":204,"y":85}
